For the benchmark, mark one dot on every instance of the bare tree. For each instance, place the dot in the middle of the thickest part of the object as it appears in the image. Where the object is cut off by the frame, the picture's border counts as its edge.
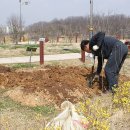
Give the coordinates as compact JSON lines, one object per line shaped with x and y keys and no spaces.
{"x":112,"y":24}
{"x":15,"y":28}
{"x":2,"y":34}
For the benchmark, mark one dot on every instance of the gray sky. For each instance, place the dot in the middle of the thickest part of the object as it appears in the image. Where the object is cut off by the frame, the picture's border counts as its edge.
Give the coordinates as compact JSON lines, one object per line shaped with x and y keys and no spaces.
{"x":47,"y":10}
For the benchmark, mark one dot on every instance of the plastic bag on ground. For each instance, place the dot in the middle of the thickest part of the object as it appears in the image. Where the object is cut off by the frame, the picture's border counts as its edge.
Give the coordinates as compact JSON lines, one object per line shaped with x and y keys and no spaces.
{"x":68,"y":119}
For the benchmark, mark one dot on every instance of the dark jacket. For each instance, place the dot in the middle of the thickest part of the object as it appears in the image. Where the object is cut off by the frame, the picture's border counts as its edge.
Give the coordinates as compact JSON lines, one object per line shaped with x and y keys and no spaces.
{"x":105,"y":44}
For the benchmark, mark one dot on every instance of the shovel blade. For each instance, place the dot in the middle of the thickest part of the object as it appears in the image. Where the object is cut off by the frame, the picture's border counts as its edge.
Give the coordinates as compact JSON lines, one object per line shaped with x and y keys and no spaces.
{"x":90,"y":82}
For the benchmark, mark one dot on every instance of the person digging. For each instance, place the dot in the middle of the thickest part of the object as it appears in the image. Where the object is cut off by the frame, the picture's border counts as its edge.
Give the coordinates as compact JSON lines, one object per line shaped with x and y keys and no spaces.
{"x":110,"y":48}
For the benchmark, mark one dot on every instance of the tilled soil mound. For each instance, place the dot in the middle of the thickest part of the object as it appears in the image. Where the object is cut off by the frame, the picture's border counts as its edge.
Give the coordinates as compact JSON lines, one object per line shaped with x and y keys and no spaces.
{"x":48,"y":85}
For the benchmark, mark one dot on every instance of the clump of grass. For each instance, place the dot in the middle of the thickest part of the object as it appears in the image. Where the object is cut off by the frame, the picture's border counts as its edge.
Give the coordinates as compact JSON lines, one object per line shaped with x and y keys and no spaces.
{"x":74,"y":51}
{"x":17,"y":46}
{"x":25,"y":46}
{"x":6,"y":103}
{"x":44,"y":110}
{"x":22,"y":65}
{"x":4,"y":46}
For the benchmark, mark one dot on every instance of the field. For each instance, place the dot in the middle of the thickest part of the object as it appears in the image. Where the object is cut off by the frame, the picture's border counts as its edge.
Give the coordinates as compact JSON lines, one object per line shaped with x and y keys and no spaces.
{"x":29,"y":97}
{"x":12,"y":50}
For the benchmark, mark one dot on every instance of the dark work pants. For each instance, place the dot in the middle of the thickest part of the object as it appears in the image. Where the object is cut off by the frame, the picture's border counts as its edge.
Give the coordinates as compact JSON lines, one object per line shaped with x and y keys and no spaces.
{"x":114,"y":63}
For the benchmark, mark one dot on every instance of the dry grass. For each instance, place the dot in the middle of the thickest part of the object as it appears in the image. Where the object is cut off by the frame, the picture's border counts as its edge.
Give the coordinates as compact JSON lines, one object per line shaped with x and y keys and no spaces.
{"x":12,"y":50}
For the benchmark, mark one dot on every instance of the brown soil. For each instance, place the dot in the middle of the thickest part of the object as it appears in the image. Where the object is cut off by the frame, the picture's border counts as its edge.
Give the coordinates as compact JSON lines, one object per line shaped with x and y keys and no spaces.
{"x":47,"y":85}
{"x":4,"y":69}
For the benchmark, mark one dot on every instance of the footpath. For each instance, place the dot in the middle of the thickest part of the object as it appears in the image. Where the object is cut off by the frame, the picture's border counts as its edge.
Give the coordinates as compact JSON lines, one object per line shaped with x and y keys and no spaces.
{"x":26,"y":59}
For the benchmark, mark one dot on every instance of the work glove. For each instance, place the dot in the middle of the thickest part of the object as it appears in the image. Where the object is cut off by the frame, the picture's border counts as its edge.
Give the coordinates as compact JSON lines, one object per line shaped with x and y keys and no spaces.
{"x":95,"y":47}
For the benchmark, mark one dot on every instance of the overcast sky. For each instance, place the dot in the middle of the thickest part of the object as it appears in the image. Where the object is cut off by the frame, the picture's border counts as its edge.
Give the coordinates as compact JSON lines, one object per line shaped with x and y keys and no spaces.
{"x":47,"y":10}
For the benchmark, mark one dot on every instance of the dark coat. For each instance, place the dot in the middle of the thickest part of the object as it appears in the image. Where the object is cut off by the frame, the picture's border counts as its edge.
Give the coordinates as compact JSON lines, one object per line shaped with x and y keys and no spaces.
{"x":105,"y":44}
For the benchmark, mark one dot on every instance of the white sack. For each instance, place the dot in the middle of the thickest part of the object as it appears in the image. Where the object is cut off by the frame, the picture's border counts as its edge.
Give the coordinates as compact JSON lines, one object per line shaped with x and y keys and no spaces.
{"x":68,"y":119}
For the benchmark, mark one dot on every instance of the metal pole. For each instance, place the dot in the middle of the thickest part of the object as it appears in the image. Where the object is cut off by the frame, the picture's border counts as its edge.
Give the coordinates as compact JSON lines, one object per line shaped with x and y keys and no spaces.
{"x":91,"y":20}
{"x":91,"y":32}
{"x":90,"y":29}
{"x":30,"y":56}
{"x":20,"y":20}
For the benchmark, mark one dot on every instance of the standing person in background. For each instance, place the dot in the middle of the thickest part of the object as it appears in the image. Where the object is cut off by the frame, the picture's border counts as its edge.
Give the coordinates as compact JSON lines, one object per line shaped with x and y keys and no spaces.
{"x":106,"y":47}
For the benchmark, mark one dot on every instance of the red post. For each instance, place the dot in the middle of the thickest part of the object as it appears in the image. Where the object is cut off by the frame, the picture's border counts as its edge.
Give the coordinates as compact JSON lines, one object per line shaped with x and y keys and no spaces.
{"x":83,"y":56}
{"x":57,"y":38}
{"x":41,"y":42}
{"x":76,"y":38}
{"x":129,"y":47}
